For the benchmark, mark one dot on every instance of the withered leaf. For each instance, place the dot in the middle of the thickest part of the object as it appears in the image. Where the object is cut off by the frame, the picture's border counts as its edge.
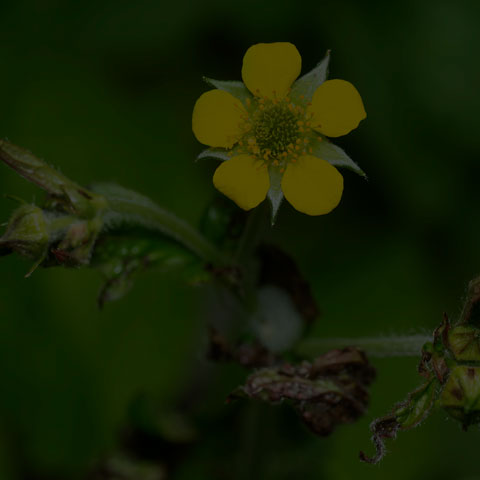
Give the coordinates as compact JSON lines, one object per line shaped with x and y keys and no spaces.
{"x":327,"y":393}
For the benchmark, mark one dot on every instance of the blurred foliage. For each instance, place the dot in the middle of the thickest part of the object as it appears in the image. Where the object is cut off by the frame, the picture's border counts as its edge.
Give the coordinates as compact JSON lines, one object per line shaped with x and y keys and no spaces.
{"x":105,"y":89}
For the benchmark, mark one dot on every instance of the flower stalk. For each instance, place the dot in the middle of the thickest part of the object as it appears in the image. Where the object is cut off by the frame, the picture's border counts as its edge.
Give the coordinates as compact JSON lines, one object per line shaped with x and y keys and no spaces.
{"x":128,"y":207}
{"x":65,"y":230}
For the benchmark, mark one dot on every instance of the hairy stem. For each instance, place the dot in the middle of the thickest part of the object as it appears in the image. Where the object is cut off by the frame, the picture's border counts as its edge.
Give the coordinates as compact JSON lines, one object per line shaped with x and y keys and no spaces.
{"x":127,"y":207}
{"x":387,"y":346}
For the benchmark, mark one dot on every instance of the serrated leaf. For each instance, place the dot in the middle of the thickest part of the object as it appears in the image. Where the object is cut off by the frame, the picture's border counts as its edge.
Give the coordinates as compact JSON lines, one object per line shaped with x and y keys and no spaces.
{"x":405,"y":415}
{"x":236,"y":88}
{"x":418,"y":407}
{"x":217,"y":153}
{"x":307,"y":84}
{"x":334,"y":155}
{"x":275,"y":193}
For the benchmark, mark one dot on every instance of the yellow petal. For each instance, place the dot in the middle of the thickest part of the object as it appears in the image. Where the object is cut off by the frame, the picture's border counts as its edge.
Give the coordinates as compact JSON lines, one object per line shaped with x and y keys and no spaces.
{"x":337,"y":108}
{"x":312,"y":185}
{"x":244,"y":180}
{"x":269,"y":69}
{"x":217,"y":118}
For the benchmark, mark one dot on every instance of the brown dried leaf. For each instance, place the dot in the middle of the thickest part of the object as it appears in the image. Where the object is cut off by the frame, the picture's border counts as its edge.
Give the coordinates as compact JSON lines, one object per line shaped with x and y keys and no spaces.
{"x":328,"y":393}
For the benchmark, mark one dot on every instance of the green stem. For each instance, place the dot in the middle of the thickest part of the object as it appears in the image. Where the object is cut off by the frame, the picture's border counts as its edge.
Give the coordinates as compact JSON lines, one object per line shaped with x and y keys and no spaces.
{"x":392,"y":346}
{"x":244,"y":256}
{"x":251,"y":235}
{"x":125,"y":206}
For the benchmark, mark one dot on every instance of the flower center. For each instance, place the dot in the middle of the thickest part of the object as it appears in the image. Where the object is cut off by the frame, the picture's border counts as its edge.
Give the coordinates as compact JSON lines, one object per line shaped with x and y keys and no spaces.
{"x":276,"y":131}
{"x":275,"y":128}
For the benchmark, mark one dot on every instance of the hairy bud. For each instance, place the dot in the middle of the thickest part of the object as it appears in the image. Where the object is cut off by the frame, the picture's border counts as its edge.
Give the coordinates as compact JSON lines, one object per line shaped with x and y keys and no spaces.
{"x":27,"y":232}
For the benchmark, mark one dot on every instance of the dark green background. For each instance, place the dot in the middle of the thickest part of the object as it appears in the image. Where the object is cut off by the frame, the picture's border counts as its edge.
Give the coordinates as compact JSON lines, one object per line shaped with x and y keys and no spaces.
{"x":104,"y":90}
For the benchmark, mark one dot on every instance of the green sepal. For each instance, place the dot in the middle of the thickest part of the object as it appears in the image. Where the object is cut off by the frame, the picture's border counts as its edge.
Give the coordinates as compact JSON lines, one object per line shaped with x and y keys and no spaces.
{"x":322,"y":148}
{"x":234,"y":87}
{"x":275,"y":193}
{"x":216,"y":153}
{"x":306,"y":85}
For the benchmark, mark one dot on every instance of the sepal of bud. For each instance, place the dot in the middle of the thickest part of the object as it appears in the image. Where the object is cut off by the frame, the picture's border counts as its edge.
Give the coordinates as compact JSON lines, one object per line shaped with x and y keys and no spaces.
{"x":65,"y":195}
{"x":27,"y":232}
{"x":463,"y":342}
{"x":76,"y":247}
{"x":461,"y":395}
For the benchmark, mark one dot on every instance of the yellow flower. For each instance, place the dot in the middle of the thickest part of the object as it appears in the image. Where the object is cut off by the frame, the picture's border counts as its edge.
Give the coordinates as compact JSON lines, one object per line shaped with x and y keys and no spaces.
{"x":272,"y":132}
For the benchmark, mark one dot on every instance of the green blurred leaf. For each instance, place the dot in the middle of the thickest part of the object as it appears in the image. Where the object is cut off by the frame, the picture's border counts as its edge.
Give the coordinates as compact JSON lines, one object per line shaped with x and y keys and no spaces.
{"x":122,"y":258}
{"x":223,"y":222}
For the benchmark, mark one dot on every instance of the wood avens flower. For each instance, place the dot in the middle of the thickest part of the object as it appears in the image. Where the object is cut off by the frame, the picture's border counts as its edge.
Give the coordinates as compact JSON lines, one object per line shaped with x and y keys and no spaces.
{"x":271,"y":132}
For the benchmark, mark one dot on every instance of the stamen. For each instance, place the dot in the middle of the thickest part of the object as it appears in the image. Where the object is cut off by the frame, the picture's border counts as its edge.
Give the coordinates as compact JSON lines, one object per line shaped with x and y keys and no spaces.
{"x":276,"y":130}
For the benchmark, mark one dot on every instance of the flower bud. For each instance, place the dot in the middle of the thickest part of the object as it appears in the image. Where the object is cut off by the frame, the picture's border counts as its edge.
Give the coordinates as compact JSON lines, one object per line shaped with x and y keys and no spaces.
{"x":461,"y":395}
{"x":27,"y":232}
{"x":463,"y":343}
{"x":76,"y":247}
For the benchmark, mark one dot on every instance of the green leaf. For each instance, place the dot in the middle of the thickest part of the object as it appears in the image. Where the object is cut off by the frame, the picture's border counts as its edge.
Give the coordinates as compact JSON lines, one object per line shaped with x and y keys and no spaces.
{"x":275,"y":193}
{"x":121,"y":257}
{"x":277,"y":323}
{"x":334,"y":155}
{"x":405,"y":415}
{"x":307,"y":84}
{"x":417,"y":406}
{"x":217,"y":153}
{"x":236,"y":88}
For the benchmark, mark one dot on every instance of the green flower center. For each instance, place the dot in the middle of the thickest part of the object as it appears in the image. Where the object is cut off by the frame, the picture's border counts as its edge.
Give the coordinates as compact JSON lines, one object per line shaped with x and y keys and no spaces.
{"x":276,"y":132}
{"x":275,"y":128}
